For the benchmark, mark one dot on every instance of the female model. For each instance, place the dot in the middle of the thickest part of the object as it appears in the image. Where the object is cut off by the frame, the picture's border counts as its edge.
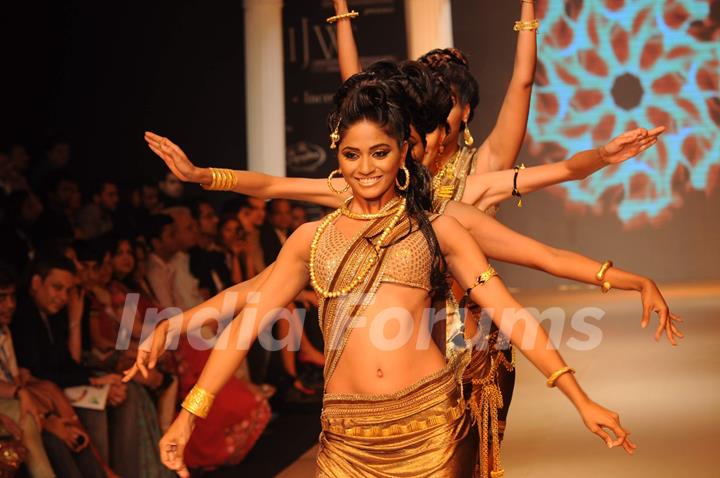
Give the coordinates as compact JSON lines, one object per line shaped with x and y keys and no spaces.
{"x":390,"y":407}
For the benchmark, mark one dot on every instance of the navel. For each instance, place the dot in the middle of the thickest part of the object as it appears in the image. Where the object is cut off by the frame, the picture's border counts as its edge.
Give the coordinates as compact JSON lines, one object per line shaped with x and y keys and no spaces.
{"x":380,"y":373}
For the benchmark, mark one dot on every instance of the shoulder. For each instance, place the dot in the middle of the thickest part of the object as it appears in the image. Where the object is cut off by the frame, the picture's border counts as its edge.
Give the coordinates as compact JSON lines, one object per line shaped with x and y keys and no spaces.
{"x":303,"y":235}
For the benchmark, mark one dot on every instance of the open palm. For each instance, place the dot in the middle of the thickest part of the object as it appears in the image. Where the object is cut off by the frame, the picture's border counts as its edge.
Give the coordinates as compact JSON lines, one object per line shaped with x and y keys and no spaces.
{"x":174,"y":157}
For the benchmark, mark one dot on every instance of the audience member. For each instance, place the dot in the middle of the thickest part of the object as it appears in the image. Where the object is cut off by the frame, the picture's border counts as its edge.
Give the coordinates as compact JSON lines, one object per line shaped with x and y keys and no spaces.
{"x":160,"y":236}
{"x":96,"y":217}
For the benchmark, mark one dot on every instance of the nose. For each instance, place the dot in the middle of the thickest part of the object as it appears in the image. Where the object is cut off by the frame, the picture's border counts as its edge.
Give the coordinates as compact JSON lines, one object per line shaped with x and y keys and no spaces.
{"x":365,"y":166}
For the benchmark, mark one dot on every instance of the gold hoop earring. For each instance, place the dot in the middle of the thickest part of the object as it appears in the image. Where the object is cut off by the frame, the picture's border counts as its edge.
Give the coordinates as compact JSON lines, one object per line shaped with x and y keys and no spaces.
{"x":467,"y":136}
{"x":330,"y":184}
{"x":403,"y":187}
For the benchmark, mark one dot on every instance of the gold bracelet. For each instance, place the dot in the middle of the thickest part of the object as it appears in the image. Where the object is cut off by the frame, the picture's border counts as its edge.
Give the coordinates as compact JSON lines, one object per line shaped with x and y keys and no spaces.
{"x":600,"y":276}
{"x":349,"y":15}
{"x":198,"y":402}
{"x":489,"y":273}
{"x":222,"y":180}
{"x":553,"y":378}
{"x":531,"y":25}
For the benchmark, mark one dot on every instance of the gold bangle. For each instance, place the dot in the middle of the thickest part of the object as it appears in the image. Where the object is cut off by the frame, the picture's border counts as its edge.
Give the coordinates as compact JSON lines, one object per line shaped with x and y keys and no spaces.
{"x":222,"y":180}
{"x":553,"y":378}
{"x":349,"y":15}
{"x":530,"y":25}
{"x":198,"y":402}
{"x":600,"y":276}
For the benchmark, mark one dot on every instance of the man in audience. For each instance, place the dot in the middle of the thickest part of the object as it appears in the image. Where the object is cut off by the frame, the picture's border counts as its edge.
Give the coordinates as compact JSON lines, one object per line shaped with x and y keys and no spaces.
{"x":207,"y":259}
{"x":251,"y":214}
{"x":276,"y":229}
{"x":160,"y":235}
{"x":96,"y":218}
{"x":62,"y":202}
{"x":299,"y":215}
{"x":171,"y":190}
{"x":185,"y":284}
{"x":46,"y":329}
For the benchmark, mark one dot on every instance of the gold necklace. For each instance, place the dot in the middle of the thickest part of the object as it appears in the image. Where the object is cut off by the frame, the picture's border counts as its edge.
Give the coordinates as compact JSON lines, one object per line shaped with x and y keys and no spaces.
{"x":328,"y":294}
{"x":446,"y":191}
{"x":386,"y":210}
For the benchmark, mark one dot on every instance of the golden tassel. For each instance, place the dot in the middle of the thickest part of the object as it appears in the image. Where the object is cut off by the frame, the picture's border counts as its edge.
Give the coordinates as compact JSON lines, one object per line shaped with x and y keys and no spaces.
{"x":485,"y":401}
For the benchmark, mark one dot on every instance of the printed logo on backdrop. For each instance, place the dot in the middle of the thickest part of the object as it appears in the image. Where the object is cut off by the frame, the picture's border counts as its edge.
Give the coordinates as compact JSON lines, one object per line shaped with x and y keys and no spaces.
{"x":312,"y":74}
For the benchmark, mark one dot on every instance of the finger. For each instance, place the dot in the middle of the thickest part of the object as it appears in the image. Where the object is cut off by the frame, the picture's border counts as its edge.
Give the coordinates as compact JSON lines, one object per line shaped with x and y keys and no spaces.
{"x":157,"y":347}
{"x":677,"y":332}
{"x":619,"y":433}
{"x":130,"y":373}
{"x":645,"y":317}
{"x":669,"y":333}
{"x":603,"y":435}
{"x":183,"y":472}
{"x":663,"y":314}
{"x":150,"y":136}
{"x":657,"y":131}
{"x":675,"y":317}
{"x":141,"y":366}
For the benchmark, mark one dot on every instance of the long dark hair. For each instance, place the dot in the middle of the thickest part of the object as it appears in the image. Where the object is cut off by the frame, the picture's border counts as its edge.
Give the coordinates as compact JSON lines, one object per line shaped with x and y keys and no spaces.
{"x":383,"y":102}
{"x":453,"y":66}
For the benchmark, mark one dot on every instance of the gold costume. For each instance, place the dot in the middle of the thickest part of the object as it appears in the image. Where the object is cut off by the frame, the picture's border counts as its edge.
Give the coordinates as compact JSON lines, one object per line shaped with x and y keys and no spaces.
{"x":481,"y":377}
{"x":420,"y":431}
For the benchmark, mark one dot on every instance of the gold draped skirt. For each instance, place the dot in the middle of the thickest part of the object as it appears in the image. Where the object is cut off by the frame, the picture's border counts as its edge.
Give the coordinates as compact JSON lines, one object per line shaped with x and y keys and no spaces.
{"x":420,"y":431}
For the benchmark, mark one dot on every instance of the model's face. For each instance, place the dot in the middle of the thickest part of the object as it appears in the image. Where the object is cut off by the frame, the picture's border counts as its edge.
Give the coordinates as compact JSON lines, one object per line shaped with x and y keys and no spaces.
{"x":369,"y":160}
{"x":458,"y":114}
{"x":7,"y":304}
{"x":123,"y":261}
{"x":207,"y":220}
{"x":51,"y":294}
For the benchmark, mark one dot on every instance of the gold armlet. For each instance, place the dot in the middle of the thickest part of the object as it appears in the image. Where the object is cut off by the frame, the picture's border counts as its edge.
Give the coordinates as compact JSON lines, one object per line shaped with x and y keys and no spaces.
{"x":553,"y":378}
{"x":198,"y":402}
{"x":222,"y":180}
{"x":489,"y":273}
{"x":349,"y":15}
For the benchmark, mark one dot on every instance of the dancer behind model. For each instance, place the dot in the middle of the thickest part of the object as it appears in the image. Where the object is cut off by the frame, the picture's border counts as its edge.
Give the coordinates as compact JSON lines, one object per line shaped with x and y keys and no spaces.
{"x":387,"y":406}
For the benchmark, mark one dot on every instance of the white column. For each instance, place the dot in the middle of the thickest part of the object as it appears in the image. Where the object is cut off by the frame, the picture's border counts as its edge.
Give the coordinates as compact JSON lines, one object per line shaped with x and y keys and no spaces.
{"x":264,"y":86}
{"x":429,"y":25}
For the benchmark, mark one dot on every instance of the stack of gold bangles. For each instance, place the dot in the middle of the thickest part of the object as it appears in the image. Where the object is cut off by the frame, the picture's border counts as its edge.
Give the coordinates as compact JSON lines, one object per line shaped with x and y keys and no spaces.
{"x":600,"y":276}
{"x":222,"y":180}
{"x":529,"y":25}
{"x":198,"y":402}
{"x":555,"y":375}
{"x":349,"y":15}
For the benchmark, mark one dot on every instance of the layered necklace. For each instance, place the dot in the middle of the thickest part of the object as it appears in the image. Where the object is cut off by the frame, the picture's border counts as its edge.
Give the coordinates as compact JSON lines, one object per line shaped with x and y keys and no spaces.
{"x":395,"y":208}
{"x":445,"y":191}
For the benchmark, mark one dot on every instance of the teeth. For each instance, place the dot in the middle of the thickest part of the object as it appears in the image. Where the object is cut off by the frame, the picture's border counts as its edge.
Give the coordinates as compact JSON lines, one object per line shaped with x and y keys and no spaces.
{"x":368,"y":181}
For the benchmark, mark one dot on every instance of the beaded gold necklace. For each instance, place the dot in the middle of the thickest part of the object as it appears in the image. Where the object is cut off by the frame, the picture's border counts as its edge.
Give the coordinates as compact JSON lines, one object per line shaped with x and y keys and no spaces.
{"x":446,"y":191}
{"x":378,"y":244}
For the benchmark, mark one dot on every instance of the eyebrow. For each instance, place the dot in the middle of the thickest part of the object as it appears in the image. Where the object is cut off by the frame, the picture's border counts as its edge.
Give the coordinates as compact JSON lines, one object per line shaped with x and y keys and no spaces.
{"x":381,"y":145}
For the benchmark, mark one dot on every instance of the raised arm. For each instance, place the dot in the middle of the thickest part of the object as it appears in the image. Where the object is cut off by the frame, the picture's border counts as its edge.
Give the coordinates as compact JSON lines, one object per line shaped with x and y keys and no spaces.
{"x":488,"y":189}
{"x":502,"y":243}
{"x":466,"y":262}
{"x":287,"y":279}
{"x":258,"y":185}
{"x":348,"y":56}
{"x":503,"y":144}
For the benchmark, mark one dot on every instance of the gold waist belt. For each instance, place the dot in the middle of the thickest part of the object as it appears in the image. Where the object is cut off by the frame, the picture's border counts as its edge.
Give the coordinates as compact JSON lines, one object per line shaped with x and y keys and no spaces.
{"x":420,"y":431}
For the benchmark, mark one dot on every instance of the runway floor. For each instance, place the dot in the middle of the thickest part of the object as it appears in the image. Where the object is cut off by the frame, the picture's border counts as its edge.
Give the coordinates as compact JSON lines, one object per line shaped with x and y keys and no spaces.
{"x":668,"y":397}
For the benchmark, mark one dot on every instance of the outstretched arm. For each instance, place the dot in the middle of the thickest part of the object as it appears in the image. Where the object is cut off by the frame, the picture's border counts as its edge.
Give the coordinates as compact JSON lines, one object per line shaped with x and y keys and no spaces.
{"x":487,"y":189}
{"x":502,"y":243}
{"x":258,"y":185}
{"x":348,"y":56}
{"x":287,"y":279}
{"x":466,"y":262}
{"x":503,"y":144}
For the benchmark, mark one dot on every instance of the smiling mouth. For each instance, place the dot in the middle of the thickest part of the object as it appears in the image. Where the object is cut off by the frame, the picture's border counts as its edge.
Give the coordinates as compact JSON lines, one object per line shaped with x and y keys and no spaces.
{"x":369,"y":181}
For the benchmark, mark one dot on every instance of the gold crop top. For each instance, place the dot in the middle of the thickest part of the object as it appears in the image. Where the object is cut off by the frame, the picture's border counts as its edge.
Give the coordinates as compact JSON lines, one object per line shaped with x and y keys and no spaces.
{"x":407,"y":262}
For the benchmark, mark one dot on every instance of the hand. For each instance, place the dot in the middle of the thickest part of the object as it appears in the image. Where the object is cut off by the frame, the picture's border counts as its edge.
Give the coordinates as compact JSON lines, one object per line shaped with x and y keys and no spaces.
{"x":177,"y":160}
{"x":629,"y":144}
{"x":69,"y":432}
{"x":28,"y":406}
{"x":117,"y":394}
{"x":150,"y":350}
{"x":76,"y":303}
{"x":11,"y":426}
{"x":596,"y":418}
{"x":172,"y":444}
{"x":653,"y":301}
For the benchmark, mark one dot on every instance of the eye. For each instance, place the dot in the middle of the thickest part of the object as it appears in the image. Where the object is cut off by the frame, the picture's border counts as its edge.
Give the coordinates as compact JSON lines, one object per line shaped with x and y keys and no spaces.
{"x":350,"y":155}
{"x":380,"y":154}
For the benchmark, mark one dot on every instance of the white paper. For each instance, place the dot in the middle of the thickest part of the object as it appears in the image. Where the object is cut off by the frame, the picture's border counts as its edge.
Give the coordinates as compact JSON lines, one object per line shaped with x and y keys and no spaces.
{"x":88,"y":396}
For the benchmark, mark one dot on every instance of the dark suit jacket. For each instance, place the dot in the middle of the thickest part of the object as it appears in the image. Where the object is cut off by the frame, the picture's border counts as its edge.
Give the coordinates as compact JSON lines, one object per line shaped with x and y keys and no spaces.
{"x":42,"y":348}
{"x":270,"y":242}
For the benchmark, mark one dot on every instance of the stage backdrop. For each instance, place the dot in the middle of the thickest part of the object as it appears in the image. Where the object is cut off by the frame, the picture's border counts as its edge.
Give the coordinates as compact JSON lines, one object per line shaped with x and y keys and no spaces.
{"x":606,"y":66}
{"x":312,"y":75}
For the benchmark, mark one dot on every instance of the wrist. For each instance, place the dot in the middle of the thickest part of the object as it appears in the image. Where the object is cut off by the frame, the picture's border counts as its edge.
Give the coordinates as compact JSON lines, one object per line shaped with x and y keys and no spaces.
{"x":186,"y":417}
{"x":204,"y":176}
